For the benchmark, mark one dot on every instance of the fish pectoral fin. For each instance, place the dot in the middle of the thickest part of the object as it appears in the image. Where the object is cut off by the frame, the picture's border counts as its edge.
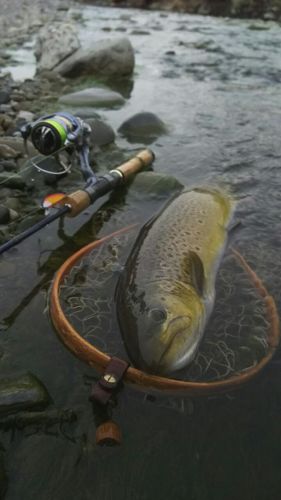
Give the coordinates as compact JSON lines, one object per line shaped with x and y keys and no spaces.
{"x":197,"y":272}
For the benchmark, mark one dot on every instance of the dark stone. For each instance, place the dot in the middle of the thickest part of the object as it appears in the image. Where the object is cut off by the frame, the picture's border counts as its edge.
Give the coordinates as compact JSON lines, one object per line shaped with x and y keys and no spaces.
{"x":21,"y":393}
{"x":13,"y":182}
{"x":102,"y":134}
{"x":4,"y":96}
{"x":143,"y":126}
{"x":4,"y":215}
{"x":9,"y":165}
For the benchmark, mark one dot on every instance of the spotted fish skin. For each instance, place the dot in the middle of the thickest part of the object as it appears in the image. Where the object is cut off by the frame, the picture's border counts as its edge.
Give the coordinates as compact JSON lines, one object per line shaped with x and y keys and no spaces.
{"x":166,"y":293}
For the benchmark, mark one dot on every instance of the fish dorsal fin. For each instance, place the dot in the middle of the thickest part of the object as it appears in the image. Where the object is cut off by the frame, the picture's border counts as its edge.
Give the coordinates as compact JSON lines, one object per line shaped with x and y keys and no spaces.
{"x":197,"y":271}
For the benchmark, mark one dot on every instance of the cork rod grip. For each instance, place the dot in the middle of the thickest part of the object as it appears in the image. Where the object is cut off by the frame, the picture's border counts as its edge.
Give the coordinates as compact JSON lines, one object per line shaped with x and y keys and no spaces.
{"x":80,"y":200}
{"x":140,"y":161}
{"x":77,"y":201}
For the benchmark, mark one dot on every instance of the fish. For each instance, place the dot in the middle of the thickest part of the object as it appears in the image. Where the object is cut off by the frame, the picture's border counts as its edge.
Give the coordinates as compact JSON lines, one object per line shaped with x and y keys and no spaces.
{"x":166,"y":292}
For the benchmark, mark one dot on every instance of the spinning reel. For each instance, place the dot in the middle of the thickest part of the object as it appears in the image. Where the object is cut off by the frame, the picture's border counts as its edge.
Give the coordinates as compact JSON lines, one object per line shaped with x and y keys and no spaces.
{"x":63,"y":136}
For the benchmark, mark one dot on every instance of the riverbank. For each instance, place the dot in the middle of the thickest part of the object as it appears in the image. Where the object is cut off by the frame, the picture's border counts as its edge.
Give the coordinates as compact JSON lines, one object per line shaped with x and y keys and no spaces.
{"x":252,"y":9}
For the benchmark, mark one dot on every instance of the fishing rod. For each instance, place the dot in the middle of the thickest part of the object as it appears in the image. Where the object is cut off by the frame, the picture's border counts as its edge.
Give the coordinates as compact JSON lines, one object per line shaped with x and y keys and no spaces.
{"x":52,"y":134}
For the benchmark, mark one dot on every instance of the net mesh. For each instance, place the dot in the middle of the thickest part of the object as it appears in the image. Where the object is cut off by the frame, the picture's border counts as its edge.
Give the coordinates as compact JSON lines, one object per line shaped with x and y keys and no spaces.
{"x":236,"y":335}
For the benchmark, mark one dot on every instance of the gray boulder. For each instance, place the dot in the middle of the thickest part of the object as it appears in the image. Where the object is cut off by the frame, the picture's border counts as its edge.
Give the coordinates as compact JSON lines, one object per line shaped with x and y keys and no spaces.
{"x":108,"y":58}
{"x":96,"y":97}
{"x":55,"y":43}
{"x":102,"y":133}
{"x":143,"y":126}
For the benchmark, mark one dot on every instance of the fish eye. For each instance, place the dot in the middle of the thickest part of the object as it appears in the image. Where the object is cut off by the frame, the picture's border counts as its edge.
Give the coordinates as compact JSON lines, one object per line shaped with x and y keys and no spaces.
{"x":158,"y":315}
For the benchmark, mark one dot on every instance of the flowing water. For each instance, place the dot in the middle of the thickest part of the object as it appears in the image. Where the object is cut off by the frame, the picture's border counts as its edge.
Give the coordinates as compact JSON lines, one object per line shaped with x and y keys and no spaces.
{"x":216,"y":83}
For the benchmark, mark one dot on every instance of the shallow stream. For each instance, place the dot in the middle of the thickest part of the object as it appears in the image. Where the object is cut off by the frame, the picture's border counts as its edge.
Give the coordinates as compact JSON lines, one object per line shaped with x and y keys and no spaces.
{"x":216,"y":83}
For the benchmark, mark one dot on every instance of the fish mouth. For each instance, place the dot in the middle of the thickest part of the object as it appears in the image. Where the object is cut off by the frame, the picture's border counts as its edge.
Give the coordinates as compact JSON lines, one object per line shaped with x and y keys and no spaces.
{"x":177,"y":327}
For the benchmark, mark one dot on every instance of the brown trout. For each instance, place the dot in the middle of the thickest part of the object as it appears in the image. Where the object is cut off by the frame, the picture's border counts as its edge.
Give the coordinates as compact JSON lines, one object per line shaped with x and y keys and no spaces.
{"x":167,"y":290}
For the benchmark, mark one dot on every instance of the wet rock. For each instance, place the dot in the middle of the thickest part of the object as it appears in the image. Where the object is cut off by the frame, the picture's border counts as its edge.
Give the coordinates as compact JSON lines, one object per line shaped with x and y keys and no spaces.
{"x":143,"y":125}
{"x":5,"y":108}
{"x":64,"y":6}
{"x":4,"y":215}
{"x":93,"y":97}
{"x":102,"y":134}
{"x":17,"y":144}
{"x":9,"y":165}
{"x":7,"y":152}
{"x":14,"y":205}
{"x":6,"y":122}
{"x":55,"y":42}
{"x":156,"y":183}
{"x":108,"y":58}
{"x":4,"y":96}
{"x":27,"y":116}
{"x":140,"y":32}
{"x":14,"y":182}
{"x":22,"y":393}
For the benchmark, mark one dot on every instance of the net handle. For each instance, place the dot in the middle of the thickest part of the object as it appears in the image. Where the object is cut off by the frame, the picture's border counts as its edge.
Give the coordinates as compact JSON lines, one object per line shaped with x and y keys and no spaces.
{"x":138,"y":379}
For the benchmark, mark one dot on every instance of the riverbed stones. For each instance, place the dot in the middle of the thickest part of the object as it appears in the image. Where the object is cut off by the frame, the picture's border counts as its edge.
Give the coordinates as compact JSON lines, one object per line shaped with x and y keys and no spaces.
{"x":96,"y":97}
{"x":4,"y":96}
{"x":101,"y":133}
{"x":7,"y":152}
{"x":22,"y":392}
{"x":144,"y":125}
{"x":14,"y":181}
{"x":107,"y":58}
{"x":55,"y":43}
{"x":17,"y":145}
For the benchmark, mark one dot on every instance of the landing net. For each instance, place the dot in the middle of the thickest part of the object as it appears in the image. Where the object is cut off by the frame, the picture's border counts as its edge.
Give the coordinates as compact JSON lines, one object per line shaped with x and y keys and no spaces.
{"x":240,"y":337}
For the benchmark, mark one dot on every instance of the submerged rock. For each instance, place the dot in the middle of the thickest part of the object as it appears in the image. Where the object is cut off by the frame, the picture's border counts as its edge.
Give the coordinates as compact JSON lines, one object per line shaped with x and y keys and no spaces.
{"x":22,"y":393}
{"x":102,"y":133}
{"x":55,"y":42}
{"x":143,"y":126}
{"x":93,"y":97}
{"x":108,"y":58}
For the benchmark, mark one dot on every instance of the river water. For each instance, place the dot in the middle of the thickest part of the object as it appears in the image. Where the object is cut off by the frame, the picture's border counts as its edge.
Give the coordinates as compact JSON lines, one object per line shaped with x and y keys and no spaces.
{"x":216,"y":83}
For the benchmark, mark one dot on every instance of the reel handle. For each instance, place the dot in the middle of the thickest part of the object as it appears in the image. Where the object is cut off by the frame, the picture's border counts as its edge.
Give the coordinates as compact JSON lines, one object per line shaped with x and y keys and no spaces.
{"x":81,"y":199}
